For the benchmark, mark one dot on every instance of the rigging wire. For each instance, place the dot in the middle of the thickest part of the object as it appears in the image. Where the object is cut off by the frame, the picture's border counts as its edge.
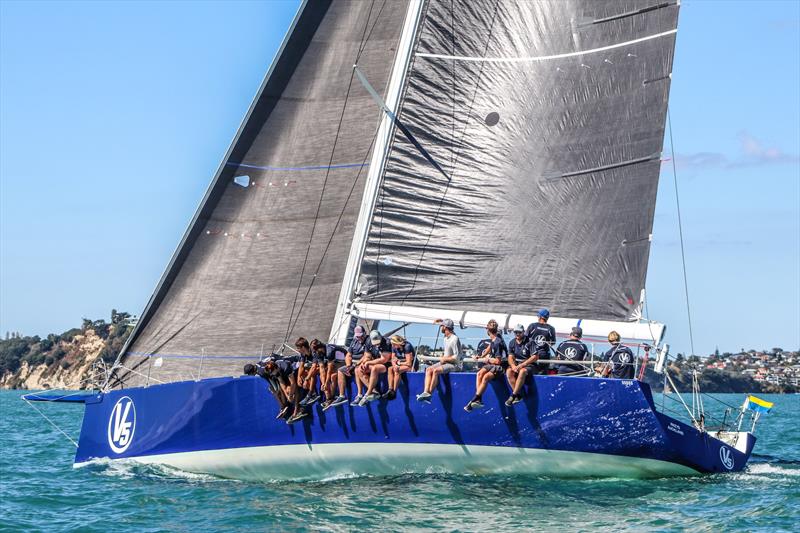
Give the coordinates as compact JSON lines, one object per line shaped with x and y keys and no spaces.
{"x":680,"y":232}
{"x":362,"y":46}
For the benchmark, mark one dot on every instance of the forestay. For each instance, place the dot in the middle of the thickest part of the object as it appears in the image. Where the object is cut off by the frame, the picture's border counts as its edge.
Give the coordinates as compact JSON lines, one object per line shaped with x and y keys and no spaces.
{"x":531,"y":177}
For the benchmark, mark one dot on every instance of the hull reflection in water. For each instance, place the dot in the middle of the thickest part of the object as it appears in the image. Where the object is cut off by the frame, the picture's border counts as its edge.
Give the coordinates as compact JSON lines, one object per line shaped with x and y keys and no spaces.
{"x":565,"y":427}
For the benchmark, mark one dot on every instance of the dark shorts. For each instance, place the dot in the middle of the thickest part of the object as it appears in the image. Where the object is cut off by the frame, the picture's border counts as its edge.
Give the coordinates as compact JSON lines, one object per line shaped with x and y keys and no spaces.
{"x":494,"y":369}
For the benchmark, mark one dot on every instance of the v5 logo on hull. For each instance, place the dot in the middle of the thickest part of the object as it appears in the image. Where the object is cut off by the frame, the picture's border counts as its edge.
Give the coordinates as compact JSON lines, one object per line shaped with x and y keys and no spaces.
{"x":121,"y":425}
{"x":726,"y":458}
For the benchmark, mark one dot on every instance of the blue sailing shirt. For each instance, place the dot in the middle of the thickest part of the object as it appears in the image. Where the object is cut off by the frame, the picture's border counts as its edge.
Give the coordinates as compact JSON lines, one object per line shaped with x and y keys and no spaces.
{"x":520,"y":351}
{"x":399,"y":352}
{"x":356,"y":347}
{"x":540,"y":338}
{"x":499,"y":349}
{"x":621,"y":359}
{"x":377,"y":350}
{"x":571,"y":350}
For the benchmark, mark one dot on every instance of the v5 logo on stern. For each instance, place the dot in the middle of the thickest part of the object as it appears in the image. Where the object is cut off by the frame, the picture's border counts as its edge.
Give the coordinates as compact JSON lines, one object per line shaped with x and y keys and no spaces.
{"x":121,"y":425}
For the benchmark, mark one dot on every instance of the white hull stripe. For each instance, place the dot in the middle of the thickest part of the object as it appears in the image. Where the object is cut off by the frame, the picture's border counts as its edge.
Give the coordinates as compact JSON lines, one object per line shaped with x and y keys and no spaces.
{"x":546,"y":58}
{"x":325,"y":461}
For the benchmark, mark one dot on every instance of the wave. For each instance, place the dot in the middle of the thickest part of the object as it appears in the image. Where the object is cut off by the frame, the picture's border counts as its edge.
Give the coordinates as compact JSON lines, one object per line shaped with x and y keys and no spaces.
{"x":130,"y":468}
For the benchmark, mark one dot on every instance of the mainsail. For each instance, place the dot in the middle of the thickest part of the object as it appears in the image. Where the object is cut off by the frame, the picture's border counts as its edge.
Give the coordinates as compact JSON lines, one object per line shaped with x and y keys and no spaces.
{"x":529,"y":177}
{"x":264,"y":256}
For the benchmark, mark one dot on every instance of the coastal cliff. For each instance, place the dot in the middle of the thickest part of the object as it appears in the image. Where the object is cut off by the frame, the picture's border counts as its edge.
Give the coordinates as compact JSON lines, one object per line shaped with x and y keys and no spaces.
{"x":62,"y":361}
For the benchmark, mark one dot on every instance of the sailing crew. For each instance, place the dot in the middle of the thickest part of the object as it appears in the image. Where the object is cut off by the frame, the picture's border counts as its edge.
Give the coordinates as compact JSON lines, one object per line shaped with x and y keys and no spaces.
{"x":572,"y":349}
{"x":380,"y":354}
{"x":518,"y":351}
{"x":306,"y":377}
{"x":619,"y":359}
{"x":354,"y":351}
{"x":447,"y":363}
{"x":402,"y":361}
{"x":492,"y":358}
{"x":334,"y":360}
{"x":281,"y":372}
{"x":541,"y":336}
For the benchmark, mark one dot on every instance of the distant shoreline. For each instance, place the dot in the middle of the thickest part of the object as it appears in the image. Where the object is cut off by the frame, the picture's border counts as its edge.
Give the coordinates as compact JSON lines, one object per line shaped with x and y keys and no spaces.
{"x":66,"y":360}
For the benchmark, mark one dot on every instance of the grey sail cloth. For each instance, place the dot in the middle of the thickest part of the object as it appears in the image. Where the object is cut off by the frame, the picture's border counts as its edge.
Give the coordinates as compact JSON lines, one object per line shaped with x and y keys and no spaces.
{"x":232,"y":286}
{"x":536,"y":180}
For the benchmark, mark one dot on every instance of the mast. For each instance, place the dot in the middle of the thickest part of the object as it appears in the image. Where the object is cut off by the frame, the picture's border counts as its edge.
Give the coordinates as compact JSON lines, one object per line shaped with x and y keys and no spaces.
{"x":340,"y":327}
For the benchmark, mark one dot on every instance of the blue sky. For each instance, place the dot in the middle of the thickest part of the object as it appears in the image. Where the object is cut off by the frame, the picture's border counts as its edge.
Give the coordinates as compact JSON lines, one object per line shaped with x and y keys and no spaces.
{"x":114,"y":117}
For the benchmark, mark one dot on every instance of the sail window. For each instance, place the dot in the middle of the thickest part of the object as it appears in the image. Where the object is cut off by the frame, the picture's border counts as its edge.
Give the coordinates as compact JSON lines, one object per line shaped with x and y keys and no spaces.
{"x":243,"y":181}
{"x":492,"y":119}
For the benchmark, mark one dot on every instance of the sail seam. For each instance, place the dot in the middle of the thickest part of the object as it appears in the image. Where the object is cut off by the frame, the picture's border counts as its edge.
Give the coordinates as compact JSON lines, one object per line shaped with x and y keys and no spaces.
{"x":534,"y":59}
{"x":289,"y":169}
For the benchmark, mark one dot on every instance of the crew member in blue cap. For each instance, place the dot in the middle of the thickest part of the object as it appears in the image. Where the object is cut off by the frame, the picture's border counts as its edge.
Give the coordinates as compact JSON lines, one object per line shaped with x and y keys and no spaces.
{"x":541,"y":336}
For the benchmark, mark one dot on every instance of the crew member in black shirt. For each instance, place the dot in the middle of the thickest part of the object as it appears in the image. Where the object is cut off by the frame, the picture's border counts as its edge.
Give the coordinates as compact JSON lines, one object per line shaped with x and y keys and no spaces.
{"x":541,"y":336}
{"x":572,"y":349}
{"x":493,"y":356}
{"x":372,"y":367}
{"x":619,"y":359}
{"x":517,"y":353}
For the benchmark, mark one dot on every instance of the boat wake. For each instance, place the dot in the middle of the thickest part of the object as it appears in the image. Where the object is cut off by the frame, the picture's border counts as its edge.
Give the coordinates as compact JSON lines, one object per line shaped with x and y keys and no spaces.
{"x":130,"y":468}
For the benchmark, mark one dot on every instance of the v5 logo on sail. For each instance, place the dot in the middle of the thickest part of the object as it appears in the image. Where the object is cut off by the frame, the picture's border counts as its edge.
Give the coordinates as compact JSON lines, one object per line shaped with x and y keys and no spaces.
{"x":121,"y":425}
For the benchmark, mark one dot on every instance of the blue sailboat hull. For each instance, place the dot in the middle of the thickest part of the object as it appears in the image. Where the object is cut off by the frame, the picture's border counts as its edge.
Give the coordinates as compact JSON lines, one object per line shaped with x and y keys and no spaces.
{"x":566,"y":426}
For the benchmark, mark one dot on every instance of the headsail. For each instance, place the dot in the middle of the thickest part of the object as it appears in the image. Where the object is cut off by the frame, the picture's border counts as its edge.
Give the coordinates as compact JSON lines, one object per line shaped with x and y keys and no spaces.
{"x":265,"y":254}
{"x":546,"y":123}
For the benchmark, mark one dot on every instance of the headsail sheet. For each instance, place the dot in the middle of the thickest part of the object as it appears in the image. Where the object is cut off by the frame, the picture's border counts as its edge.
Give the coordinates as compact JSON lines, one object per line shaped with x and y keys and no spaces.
{"x":532,"y":173}
{"x":265,"y":254}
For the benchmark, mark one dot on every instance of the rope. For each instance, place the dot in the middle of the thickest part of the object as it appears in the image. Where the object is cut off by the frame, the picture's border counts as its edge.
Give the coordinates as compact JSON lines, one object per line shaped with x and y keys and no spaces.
{"x":52,"y":423}
{"x":680,"y":232}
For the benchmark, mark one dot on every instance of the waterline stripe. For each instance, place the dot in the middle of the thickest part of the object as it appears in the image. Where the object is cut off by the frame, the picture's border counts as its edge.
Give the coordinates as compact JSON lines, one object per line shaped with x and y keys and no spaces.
{"x":322,"y":461}
{"x":319,"y":167}
{"x":545,"y":58}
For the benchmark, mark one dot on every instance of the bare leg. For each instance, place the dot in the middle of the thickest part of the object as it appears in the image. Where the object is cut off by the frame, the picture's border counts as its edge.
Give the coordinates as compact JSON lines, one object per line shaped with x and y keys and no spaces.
{"x":487,"y":377}
{"x":523,"y":373}
{"x":428,"y":377}
{"x":342,"y":383}
{"x":434,"y":379}
{"x":377,"y":370}
{"x":511,"y":375}
{"x":360,"y":380}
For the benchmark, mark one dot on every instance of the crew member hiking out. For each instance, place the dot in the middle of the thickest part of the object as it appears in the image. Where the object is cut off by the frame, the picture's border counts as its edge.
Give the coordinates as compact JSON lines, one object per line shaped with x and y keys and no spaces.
{"x":447,"y":363}
{"x":354,"y":351}
{"x":541,"y":336}
{"x":372,"y":367}
{"x":517,"y":353}
{"x":492,"y":358}
{"x":402,"y":361}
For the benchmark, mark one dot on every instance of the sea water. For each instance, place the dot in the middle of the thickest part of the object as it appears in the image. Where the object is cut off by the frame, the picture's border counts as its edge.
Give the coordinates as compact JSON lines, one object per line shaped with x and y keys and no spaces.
{"x":40,"y":491}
